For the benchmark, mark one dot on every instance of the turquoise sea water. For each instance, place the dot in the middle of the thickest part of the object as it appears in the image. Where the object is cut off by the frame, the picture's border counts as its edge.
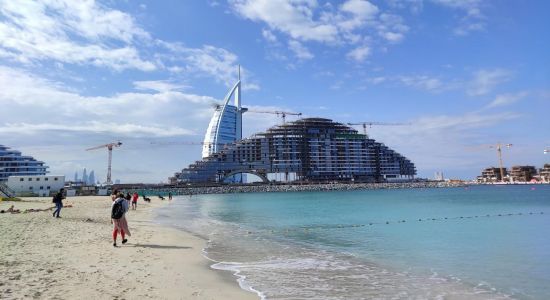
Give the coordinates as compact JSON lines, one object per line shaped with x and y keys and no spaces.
{"x":382,"y":244}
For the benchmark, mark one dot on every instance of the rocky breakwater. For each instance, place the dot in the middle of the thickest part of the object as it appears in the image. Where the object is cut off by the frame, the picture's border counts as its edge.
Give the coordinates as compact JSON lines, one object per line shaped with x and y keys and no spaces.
{"x":310,"y":187}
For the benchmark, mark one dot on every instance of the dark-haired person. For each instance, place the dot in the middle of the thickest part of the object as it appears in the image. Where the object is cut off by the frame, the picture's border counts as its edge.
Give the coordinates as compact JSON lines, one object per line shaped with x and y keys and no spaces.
{"x":114,"y":194}
{"x":118,"y":218}
{"x":58,"y":201}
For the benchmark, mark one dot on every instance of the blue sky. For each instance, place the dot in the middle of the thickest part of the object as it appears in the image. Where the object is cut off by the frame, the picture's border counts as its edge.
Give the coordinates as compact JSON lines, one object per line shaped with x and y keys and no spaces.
{"x":465,"y":74}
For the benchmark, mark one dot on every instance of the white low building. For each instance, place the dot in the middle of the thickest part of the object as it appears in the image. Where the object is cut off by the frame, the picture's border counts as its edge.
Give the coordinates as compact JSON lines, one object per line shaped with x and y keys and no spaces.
{"x":37,"y":185}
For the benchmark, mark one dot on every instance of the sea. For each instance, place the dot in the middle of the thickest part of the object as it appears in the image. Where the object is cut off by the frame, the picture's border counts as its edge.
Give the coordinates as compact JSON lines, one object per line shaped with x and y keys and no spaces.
{"x":476,"y":242}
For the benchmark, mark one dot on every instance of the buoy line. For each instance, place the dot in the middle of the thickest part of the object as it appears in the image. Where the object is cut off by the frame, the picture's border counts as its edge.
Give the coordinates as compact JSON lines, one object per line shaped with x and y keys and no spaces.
{"x":345,"y":226}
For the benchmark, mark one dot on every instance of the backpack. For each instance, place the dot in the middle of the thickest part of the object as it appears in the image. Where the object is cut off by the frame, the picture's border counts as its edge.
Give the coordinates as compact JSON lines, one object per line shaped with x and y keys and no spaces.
{"x":56,"y":198}
{"x":118,"y":210}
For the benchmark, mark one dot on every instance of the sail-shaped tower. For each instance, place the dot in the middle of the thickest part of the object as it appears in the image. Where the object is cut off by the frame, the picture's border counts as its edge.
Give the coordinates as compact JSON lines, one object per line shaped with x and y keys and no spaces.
{"x":225,"y":126}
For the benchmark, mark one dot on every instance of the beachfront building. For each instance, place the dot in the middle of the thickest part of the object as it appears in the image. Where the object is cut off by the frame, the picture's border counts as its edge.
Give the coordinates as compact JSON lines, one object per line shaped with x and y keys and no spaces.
{"x":226,"y":124}
{"x":306,"y":150}
{"x":522,"y":173}
{"x":38,"y":185}
{"x":544,"y":173}
{"x":491,"y":174}
{"x":13,"y":163}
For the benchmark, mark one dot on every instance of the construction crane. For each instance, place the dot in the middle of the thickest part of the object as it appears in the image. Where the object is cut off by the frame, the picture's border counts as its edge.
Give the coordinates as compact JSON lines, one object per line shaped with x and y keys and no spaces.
{"x":281,"y":114}
{"x":370,"y":124}
{"x":184,"y":143}
{"x":109,"y":147}
{"x":498,"y":146}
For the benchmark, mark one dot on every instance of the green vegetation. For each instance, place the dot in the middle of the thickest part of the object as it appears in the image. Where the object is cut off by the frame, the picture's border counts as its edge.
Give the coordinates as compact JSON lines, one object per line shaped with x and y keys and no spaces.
{"x":10,"y":199}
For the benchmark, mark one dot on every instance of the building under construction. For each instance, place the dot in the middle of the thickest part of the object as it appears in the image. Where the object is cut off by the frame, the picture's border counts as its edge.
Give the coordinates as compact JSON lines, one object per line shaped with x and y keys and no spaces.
{"x":307,"y":150}
{"x":492,"y":174}
{"x":515,"y":174}
{"x":544,"y":173}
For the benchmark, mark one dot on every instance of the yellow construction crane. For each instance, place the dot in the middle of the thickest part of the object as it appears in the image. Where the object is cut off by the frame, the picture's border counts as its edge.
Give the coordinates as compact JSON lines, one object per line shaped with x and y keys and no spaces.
{"x":370,"y":124}
{"x":281,"y":114}
{"x":109,"y":147}
{"x":498,"y":146}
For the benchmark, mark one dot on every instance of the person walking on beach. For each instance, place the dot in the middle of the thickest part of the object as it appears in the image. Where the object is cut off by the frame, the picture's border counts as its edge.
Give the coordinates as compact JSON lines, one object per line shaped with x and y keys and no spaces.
{"x":58,"y":201}
{"x":135,"y":197}
{"x":114,"y":195}
{"x":170,"y":196}
{"x":118,"y":218}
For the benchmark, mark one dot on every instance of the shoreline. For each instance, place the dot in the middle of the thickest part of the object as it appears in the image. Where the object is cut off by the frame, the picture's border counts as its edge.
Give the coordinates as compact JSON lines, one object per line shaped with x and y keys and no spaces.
{"x":73,"y":257}
{"x":283,"y":188}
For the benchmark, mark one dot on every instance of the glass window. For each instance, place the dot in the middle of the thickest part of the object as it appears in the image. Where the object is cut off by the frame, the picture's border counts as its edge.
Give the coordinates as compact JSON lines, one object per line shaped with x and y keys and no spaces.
{"x":30,"y":179}
{"x":55,"y":178}
{"x":46,"y":179}
{"x":41,"y":187}
{"x":37,"y":179}
{"x":21,"y":179}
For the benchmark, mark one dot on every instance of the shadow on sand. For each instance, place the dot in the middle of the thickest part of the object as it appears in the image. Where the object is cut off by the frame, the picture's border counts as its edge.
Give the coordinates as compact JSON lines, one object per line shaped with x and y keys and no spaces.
{"x":159,"y":246}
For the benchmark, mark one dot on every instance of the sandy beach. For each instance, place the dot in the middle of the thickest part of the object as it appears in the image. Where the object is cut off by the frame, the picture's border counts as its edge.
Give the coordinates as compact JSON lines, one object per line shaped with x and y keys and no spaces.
{"x":73,"y":257}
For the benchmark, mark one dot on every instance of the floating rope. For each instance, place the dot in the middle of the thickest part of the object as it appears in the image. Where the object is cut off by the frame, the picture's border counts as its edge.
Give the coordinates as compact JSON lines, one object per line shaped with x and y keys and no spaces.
{"x":344,"y":226}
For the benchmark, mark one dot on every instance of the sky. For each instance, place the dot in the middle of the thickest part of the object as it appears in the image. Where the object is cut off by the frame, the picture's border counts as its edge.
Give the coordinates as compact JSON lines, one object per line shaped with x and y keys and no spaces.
{"x":465,"y":74}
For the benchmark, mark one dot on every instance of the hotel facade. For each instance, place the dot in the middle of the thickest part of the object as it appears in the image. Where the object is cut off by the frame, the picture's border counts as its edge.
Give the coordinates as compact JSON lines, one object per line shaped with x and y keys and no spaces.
{"x":13,"y":163}
{"x":306,"y":150}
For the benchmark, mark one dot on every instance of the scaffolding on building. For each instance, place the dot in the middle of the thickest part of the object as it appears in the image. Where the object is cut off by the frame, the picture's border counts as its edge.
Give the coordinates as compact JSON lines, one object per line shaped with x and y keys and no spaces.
{"x":306,"y":150}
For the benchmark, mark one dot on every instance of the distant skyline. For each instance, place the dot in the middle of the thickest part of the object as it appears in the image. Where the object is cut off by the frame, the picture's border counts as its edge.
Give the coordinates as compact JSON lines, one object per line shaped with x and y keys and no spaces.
{"x":465,"y":74}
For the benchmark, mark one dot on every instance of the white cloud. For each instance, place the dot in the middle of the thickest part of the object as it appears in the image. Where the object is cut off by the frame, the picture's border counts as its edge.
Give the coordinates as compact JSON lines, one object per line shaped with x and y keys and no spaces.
{"x":422,"y":82}
{"x":71,"y":32}
{"x":507,"y":99}
{"x":305,"y":21}
{"x":158,"y":85}
{"x":359,"y":54}
{"x":439,"y":142}
{"x":293,"y":17}
{"x":132,"y":111}
{"x":90,"y":33}
{"x":210,"y":61}
{"x":469,"y":12}
{"x":299,"y":50}
{"x":485,"y":81}
{"x":391,"y":28}
{"x":269,"y":36}
{"x":376,"y":80}
{"x":472,"y":20}
{"x":96,"y":127}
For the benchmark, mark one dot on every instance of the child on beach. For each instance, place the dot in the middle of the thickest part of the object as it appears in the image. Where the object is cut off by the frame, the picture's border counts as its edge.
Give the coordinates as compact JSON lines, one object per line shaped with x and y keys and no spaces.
{"x":118,"y":219}
{"x":135,"y":197}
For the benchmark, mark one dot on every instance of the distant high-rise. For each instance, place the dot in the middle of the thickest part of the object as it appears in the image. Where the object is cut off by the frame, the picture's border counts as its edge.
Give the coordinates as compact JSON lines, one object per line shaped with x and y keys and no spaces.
{"x":12,"y":163}
{"x":226,"y":124}
{"x":91,"y":178}
{"x":84,"y":176}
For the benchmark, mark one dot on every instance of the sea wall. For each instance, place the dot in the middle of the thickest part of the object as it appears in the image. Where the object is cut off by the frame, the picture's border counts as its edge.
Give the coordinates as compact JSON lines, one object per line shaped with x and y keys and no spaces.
{"x":304,"y":188}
